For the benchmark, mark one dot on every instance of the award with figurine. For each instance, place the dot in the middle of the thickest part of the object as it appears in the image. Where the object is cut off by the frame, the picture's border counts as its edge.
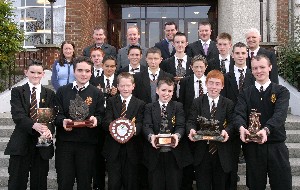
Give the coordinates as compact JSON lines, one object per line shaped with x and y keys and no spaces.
{"x":164,"y":138}
{"x":122,"y":129}
{"x":254,"y":127}
{"x":79,"y":111}
{"x":45,"y":116}
{"x":209,"y":130}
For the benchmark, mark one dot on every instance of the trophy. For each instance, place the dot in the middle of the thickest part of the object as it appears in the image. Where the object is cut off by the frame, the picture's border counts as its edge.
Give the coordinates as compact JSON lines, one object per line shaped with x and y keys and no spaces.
{"x":180,"y":72}
{"x":122,"y":129}
{"x":164,"y":138}
{"x":254,"y":127}
{"x":209,"y":130}
{"x":79,"y":111}
{"x":44,"y":116}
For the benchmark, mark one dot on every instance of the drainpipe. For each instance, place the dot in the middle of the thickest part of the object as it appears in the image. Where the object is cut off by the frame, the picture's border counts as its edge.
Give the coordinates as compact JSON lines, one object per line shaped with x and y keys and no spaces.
{"x":261,"y":19}
{"x":268,"y":21}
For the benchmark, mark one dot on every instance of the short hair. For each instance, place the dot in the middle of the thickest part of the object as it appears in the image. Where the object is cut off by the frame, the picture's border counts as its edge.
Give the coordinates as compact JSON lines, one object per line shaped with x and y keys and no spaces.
{"x":133,"y":26}
{"x":61,"y":59}
{"x":262,"y":56}
{"x":165,"y":80}
{"x":240,"y":45}
{"x":134,"y":47}
{"x":125,"y":75}
{"x":224,"y":36}
{"x":171,"y":23}
{"x":179,"y":34}
{"x":100,"y":28}
{"x":205,"y":23}
{"x":82,"y":59}
{"x":215,"y":74}
{"x":252,"y":30}
{"x":34,"y":62}
{"x":109,"y":57}
{"x":199,"y":58}
{"x":153,"y":50}
{"x":97,"y":49}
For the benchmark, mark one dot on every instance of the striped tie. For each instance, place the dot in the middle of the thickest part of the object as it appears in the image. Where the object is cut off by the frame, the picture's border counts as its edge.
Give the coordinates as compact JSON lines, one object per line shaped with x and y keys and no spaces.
{"x":200,"y":88}
{"x":123,"y":111}
{"x":241,"y":79}
{"x":212,"y":148}
{"x":33,"y":105}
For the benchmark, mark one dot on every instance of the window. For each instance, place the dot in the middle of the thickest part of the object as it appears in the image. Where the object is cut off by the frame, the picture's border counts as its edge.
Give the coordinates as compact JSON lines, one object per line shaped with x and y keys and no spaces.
{"x":34,"y":17}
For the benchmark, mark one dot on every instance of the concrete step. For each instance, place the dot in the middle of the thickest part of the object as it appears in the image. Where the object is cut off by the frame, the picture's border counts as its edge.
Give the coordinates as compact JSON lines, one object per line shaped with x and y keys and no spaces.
{"x":293,"y":136}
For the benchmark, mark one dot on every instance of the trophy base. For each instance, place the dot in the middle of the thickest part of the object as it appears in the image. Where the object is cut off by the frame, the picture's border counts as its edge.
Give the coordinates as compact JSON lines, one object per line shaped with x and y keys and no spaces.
{"x":164,"y":140}
{"x":44,"y":143}
{"x":79,"y":124}
{"x":253,"y":138}
{"x":208,"y":138}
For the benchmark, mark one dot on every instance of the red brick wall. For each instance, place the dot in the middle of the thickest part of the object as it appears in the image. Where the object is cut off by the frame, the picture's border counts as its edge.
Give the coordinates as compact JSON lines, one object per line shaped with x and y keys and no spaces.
{"x":81,"y":17}
{"x":282,"y":20}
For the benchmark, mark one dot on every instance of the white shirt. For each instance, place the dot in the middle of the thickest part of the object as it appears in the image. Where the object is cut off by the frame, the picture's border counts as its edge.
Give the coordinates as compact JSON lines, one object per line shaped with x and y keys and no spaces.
{"x":82,"y":88}
{"x":127,"y":100}
{"x":183,"y":62}
{"x":38,"y":89}
{"x":207,"y":42}
{"x":138,"y":69}
{"x":156,"y":73}
{"x":227,"y":62}
{"x":95,"y":71}
{"x":161,"y":104}
{"x":216,"y":100}
{"x":237,"y":74}
{"x":196,"y":85}
{"x":111,"y":79}
{"x":265,"y":86}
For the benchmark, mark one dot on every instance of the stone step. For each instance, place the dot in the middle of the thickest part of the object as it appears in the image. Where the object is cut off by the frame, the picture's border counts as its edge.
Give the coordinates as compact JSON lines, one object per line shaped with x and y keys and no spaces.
{"x":293,"y":136}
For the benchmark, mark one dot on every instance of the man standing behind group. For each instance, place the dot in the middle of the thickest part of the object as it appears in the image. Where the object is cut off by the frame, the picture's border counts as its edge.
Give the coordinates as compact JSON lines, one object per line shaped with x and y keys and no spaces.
{"x":166,"y":47}
{"x":204,"y":46}
{"x":99,"y":37}
{"x":133,"y":37}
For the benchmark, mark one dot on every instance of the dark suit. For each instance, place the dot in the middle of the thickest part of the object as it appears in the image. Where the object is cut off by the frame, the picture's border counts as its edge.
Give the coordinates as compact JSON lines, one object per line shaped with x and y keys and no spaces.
{"x":196,"y":48}
{"x":220,"y":163}
{"x":271,"y":55}
{"x":165,"y":168}
{"x":164,"y":48}
{"x":168,"y":66}
{"x":215,"y":65}
{"x":25,"y":157}
{"x":126,"y":69}
{"x":108,"y":50}
{"x":187,"y":93}
{"x":123,"y":159}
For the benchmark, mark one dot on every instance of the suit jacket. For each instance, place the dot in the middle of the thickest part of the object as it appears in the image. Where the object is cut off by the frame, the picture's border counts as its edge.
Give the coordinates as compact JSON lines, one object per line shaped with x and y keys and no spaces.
{"x":113,"y":111}
{"x":200,"y":107}
{"x":142,"y":88}
{"x":108,"y":50}
{"x":151,"y":125}
{"x":24,"y":135}
{"x":187,"y":93}
{"x":271,"y":55}
{"x":196,"y":48}
{"x":123,"y":60}
{"x":168,"y":65}
{"x":126,"y":69}
{"x":164,"y":48}
{"x":215,"y":64}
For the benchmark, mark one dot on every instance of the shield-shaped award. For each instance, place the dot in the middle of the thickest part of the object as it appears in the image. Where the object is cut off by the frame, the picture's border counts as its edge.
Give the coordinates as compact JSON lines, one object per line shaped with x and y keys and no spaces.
{"x":122,"y":129}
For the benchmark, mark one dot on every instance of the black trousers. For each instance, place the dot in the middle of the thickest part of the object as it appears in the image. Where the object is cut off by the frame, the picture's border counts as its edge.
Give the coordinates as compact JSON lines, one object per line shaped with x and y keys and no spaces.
{"x":99,"y":162}
{"x":209,"y":173}
{"x":231,"y":181}
{"x":271,"y":160}
{"x":167,"y":175}
{"x":74,"y":160}
{"x":122,"y":173}
{"x":20,"y":166}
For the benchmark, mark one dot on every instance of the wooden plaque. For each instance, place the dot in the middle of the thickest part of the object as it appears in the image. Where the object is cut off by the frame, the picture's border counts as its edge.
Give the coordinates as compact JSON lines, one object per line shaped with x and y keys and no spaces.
{"x":78,"y":124}
{"x":164,"y":140}
{"x":208,"y":138}
{"x":121,"y":130}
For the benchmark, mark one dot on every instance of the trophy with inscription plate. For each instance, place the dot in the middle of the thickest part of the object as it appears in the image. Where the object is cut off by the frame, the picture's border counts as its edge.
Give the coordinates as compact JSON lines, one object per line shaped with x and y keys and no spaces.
{"x":180,"y":72}
{"x":209,"y":130}
{"x":164,"y":138}
{"x":79,"y":111}
{"x":254,"y":127}
{"x":45,"y":116}
{"x":122,"y":129}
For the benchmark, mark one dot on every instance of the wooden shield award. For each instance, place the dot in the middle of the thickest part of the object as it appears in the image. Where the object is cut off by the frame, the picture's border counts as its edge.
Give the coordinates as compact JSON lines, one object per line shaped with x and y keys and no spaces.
{"x":79,"y":111}
{"x":122,"y":129}
{"x":254,"y":127}
{"x":209,"y":130}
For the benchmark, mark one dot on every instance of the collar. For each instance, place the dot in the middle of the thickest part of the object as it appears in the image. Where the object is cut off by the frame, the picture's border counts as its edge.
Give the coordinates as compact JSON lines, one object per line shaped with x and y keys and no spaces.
{"x":236,"y":69}
{"x":38,"y":86}
{"x":95,"y":69}
{"x":111,"y":78}
{"x":216,"y":100}
{"x":160,"y":103}
{"x":203,"y":78}
{"x":127,"y":99}
{"x":207,"y":42}
{"x":137,"y":68}
{"x":255,"y":51}
{"x":98,"y":45}
{"x":184,"y":58}
{"x":156,"y":72}
{"x":82,"y":88}
{"x":265,"y":86}
{"x":221,"y":58}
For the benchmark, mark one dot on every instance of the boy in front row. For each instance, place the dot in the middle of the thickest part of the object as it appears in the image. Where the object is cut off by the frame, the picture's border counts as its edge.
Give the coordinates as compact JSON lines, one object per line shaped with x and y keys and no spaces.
{"x":165,"y":164}
{"x":212,"y":159}
{"x":123,"y":159}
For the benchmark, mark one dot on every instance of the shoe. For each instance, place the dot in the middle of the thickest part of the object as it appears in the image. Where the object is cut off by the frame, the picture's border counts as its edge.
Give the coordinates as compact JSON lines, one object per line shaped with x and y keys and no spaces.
{"x":238,"y":178}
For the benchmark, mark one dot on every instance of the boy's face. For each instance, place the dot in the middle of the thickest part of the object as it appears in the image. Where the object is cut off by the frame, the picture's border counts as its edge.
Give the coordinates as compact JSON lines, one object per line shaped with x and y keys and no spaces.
{"x":82,"y":73}
{"x":260,"y":70}
{"x":34,"y":74}
{"x":165,"y":92}
{"x":134,"y":57}
{"x":153,"y":60}
{"x":180,"y":43}
{"x":240,"y":55}
{"x":109,"y":68}
{"x":223,"y":46}
{"x":97,"y":57}
{"x":214,"y":87}
{"x":125,"y":87}
{"x":199,"y":68}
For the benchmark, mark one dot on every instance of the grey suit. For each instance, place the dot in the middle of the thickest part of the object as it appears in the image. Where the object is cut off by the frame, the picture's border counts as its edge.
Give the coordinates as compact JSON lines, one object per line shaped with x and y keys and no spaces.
{"x":123,"y":60}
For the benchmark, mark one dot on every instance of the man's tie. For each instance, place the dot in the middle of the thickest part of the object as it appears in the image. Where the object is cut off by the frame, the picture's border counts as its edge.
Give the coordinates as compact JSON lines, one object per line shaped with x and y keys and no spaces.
{"x":200,"y":88}
{"x":241,"y":79}
{"x":212,"y":148}
{"x":179,"y":63}
{"x":123,"y":110}
{"x":33,"y":105}
{"x":205,"y":48}
{"x":251,"y":54}
{"x":154,"y":75}
{"x":98,"y":73}
{"x":170,"y":46}
{"x":223,"y":68}
{"x":107,"y":84}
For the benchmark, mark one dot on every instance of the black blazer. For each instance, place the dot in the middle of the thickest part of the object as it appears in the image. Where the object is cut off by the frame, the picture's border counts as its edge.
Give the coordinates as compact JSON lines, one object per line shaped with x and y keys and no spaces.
{"x":164,"y":48}
{"x":200,"y":107}
{"x":23,"y":135}
{"x":168,"y":66}
{"x":271,"y":55}
{"x":196,"y":48}
{"x":142,"y":88}
{"x":113,"y":111}
{"x":126,"y":69}
{"x":151,"y":125}
{"x":187,"y":93}
{"x":215,"y":64}
{"x":108,"y":50}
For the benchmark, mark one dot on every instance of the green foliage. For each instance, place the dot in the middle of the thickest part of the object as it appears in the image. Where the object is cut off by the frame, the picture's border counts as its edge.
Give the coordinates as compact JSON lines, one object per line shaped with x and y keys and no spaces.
{"x":11,"y":37}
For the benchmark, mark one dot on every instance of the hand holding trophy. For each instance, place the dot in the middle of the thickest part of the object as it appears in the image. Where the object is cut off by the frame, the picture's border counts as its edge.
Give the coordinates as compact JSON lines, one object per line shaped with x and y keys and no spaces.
{"x":44,"y":117}
{"x":254,"y":127}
